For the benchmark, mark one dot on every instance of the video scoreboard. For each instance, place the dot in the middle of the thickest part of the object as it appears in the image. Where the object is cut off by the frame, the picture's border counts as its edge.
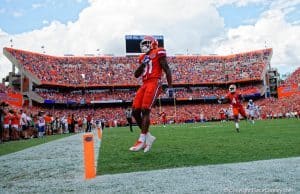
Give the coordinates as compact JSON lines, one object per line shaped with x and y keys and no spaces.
{"x":133,"y":42}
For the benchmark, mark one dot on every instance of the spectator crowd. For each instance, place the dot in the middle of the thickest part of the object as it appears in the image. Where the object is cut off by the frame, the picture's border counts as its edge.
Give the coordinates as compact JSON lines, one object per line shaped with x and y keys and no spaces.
{"x":26,"y":123}
{"x":294,"y":78}
{"x":119,"y":71}
{"x":91,"y":73}
{"x":88,"y":96}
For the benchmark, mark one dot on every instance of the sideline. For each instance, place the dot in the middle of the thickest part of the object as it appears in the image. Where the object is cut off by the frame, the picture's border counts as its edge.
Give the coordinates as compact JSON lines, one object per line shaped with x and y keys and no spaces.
{"x":57,"y":167}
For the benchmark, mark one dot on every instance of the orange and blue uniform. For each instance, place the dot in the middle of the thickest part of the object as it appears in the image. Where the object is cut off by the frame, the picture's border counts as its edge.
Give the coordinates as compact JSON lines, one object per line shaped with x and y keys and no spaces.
{"x":235,"y":101}
{"x":151,"y":88}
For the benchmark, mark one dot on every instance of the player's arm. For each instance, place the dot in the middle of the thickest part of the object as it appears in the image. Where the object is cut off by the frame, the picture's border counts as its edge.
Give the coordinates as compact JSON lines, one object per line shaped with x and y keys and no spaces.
{"x":143,"y":62}
{"x":222,"y":100}
{"x":139,"y":70}
{"x":164,"y":64}
{"x":241,"y":98}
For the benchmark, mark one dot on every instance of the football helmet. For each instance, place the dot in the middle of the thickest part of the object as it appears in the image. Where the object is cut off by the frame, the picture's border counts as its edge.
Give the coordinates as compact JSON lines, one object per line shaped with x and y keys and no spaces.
{"x":232,"y":88}
{"x":148,"y":43}
{"x":251,"y":101}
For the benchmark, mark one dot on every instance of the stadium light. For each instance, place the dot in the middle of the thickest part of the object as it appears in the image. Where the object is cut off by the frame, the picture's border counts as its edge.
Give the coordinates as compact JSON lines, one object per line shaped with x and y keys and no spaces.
{"x":265,"y":44}
{"x":43,"y":49}
{"x":11,"y":42}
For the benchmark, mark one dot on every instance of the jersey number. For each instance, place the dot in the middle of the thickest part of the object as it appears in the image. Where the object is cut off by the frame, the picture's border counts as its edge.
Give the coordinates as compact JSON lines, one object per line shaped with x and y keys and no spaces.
{"x":148,"y":69}
{"x":233,"y":101}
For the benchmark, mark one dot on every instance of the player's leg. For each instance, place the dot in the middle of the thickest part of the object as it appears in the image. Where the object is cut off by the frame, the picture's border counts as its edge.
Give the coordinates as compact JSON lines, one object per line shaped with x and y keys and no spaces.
{"x":137,"y":106}
{"x":23,"y":131}
{"x":149,"y":139}
{"x":137,"y":114}
{"x":142,"y":104}
{"x":140,"y":143}
{"x":145,"y":120}
{"x":236,"y":119}
{"x":6,"y":132}
{"x":243,"y":113}
{"x":39,"y":131}
{"x":252,"y":116}
{"x":129,"y":120}
{"x":152,"y":92}
{"x":19,"y":132}
{"x":248,"y":115}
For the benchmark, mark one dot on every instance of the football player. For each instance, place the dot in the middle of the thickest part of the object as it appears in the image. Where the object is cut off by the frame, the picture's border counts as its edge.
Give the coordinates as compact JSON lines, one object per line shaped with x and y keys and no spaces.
{"x":251,"y":110}
{"x":128,"y":114}
{"x":235,"y":100}
{"x":163,"y":118}
{"x":222,"y":115}
{"x":152,"y":62}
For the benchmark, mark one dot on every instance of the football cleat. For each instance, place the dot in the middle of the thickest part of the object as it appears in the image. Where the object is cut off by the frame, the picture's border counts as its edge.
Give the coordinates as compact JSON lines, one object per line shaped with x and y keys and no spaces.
{"x":149,"y":141}
{"x":137,"y":146}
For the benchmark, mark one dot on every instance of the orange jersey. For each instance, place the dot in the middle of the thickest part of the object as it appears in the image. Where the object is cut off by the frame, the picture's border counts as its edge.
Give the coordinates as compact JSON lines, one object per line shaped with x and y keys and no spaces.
{"x":69,"y":120}
{"x":15,"y":120}
{"x":236,"y":102}
{"x":222,"y":114}
{"x":7,"y":119}
{"x":153,"y":69}
{"x":47,"y":119}
{"x":164,"y":116}
{"x":235,"y":99}
{"x":79,"y":121}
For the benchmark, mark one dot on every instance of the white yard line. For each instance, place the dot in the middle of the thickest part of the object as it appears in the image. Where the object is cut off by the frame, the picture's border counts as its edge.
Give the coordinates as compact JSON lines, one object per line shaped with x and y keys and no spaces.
{"x":57,"y":167}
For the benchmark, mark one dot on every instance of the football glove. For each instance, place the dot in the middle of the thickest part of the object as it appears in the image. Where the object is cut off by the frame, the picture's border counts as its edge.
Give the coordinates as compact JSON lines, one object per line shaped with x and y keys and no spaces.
{"x":146,"y":60}
{"x":220,"y":100}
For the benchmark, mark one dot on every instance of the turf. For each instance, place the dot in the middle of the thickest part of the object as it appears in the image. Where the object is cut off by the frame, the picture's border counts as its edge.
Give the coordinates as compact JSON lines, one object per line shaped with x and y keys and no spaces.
{"x":181,"y":145}
{"x":14,"y":146}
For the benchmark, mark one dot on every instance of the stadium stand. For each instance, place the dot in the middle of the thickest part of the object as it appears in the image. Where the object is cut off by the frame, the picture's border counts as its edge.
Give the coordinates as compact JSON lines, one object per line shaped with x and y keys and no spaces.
{"x":103,"y":71}
{"x":103,"y":87}
{"x":294,"y":78}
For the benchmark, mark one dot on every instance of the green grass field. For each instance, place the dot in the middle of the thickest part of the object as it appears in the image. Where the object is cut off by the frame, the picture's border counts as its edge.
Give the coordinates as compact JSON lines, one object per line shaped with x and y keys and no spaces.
{"x":14,"y":146}
{"x":199,"y":144}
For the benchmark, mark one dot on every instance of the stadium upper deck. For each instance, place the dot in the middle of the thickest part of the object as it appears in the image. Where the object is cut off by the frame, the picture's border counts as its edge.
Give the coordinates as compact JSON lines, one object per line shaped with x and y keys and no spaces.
{"x":294,"y":78}
{"x":118,"y":71}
